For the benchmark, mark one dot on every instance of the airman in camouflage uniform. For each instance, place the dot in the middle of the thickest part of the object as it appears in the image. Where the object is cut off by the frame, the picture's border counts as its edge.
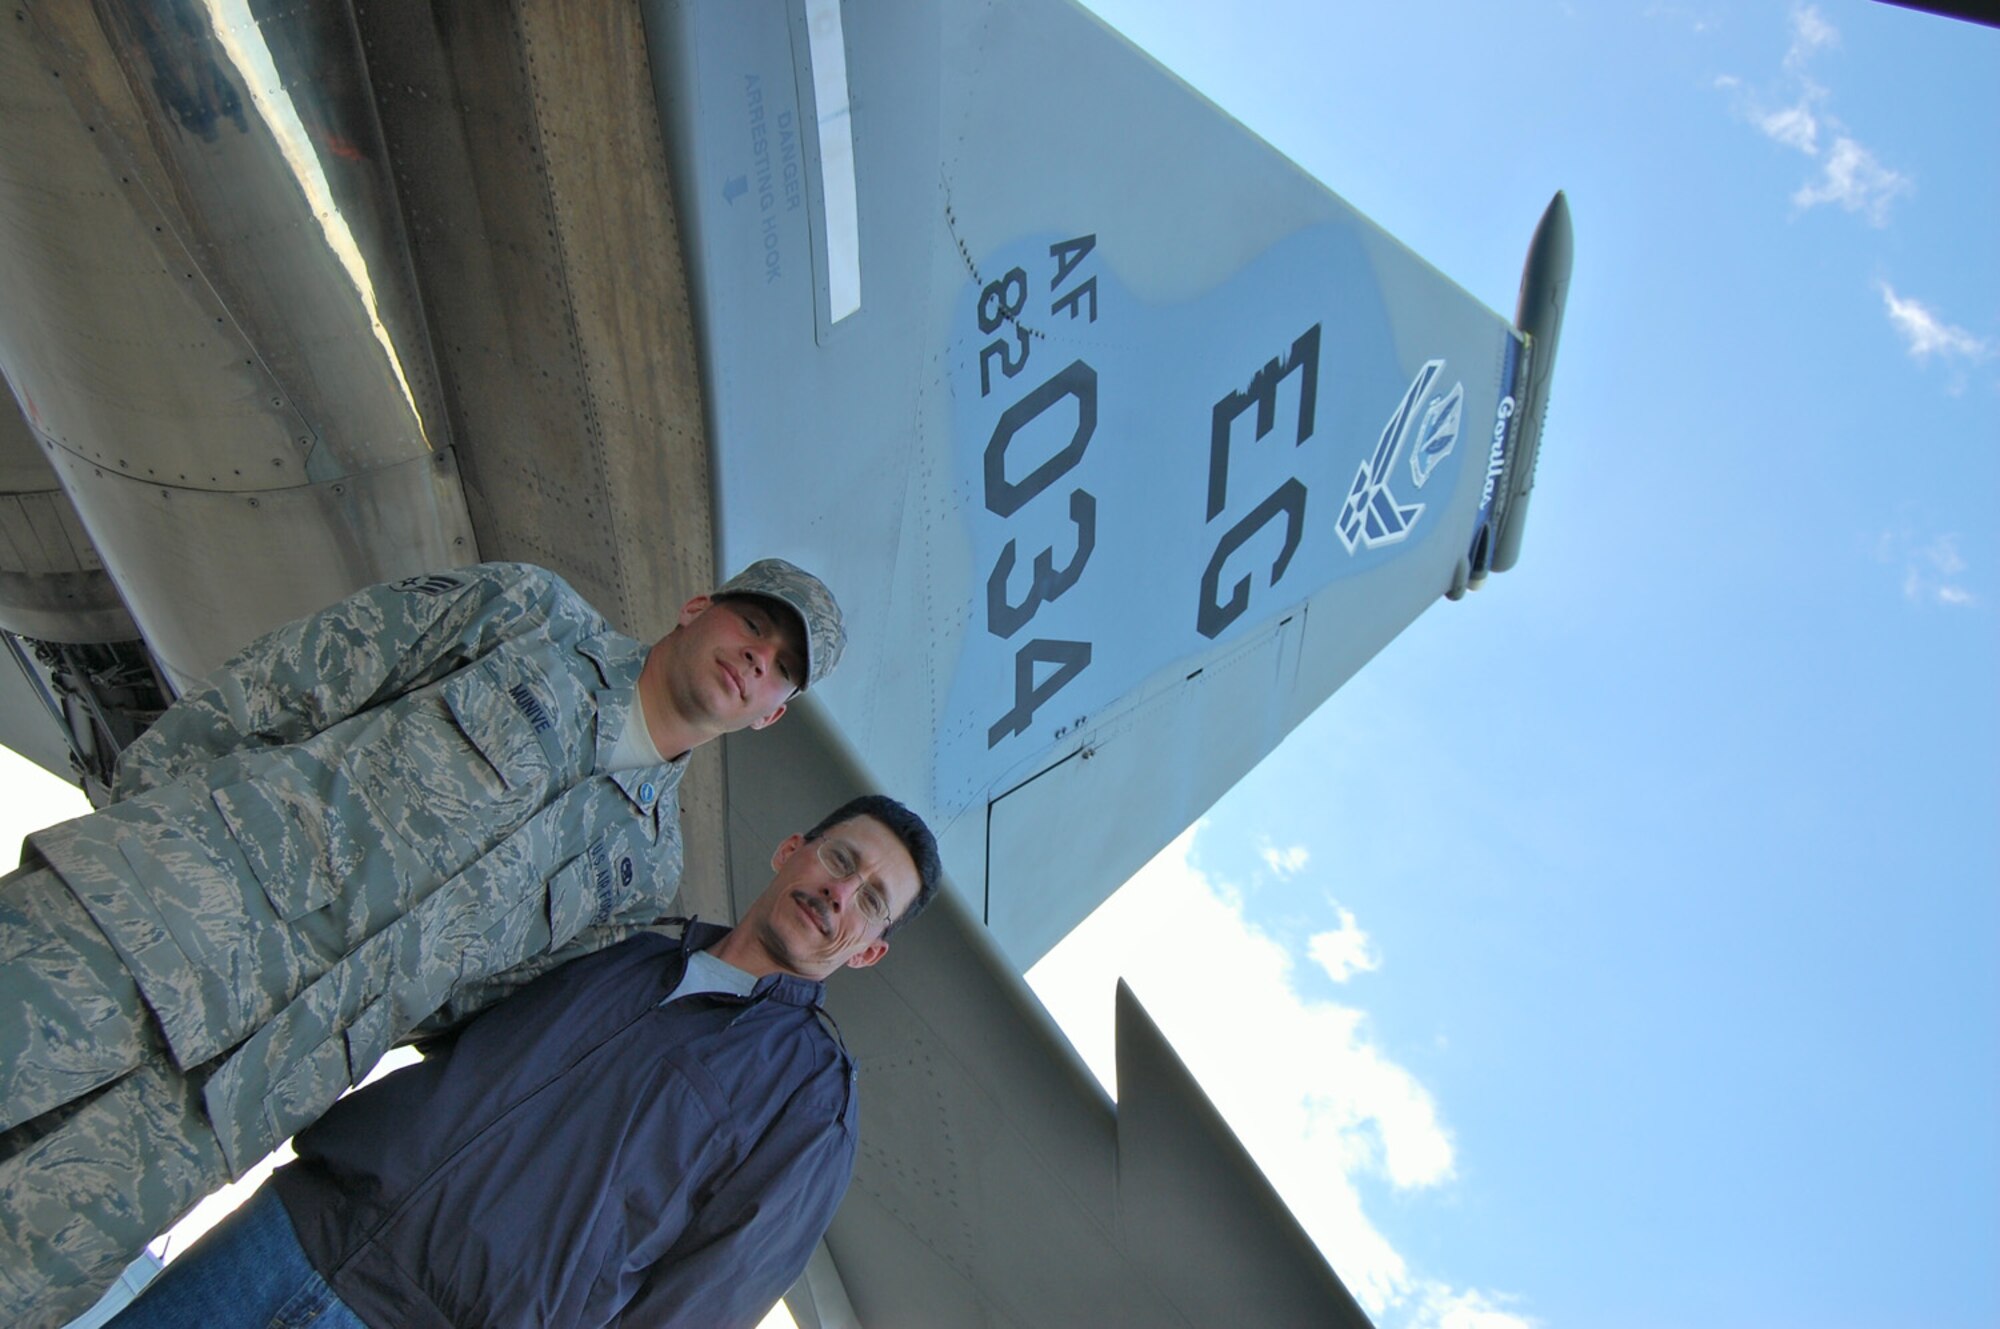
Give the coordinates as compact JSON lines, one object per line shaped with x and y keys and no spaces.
{"x":389,"y":813}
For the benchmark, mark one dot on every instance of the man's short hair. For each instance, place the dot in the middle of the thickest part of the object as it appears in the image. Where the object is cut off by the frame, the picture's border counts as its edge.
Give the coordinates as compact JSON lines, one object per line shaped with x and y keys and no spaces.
{"x":907,"y":827}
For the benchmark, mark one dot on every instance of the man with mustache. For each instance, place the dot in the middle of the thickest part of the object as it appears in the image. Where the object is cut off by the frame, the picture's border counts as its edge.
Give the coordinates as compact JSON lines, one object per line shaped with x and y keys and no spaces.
{"x":655,"y":1134}
{"x":395,"y":810}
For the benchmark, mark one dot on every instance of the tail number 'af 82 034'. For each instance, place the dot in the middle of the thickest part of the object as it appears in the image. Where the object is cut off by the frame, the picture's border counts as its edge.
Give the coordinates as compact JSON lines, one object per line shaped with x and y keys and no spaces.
{"x":1073,"y":387}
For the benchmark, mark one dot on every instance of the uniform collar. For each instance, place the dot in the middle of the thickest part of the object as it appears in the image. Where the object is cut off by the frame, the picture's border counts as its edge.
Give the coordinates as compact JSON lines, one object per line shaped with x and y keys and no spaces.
{"x":618,"y":660}
{"x":649,"y":786}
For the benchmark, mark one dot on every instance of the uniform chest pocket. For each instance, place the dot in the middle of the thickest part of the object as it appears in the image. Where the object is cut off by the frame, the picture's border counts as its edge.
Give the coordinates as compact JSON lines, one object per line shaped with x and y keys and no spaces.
{"x":503,"y":719}
{"x":576,"y":899}
{"x":543,"y":921}
{"x":279,"y":823}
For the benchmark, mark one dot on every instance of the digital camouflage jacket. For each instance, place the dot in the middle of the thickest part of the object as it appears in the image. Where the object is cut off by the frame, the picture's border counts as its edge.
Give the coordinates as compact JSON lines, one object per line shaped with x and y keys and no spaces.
{"x":383,"y":814}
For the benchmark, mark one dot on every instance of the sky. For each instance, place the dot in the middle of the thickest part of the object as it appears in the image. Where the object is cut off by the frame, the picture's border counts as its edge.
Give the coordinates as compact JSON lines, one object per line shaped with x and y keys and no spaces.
{"x":1622,"y":945}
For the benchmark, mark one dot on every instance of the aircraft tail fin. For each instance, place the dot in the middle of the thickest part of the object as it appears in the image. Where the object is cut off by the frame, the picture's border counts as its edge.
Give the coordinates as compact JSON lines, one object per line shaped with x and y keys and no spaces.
{"x":1138,"y":443}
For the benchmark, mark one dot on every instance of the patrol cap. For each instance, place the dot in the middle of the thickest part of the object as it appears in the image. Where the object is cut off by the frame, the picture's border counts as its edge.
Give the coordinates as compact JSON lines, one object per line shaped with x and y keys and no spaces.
{"x":806,"y":595}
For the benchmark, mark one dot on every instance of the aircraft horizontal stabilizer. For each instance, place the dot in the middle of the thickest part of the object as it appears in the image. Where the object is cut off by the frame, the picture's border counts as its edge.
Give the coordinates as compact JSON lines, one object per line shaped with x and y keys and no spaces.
{"x":1191,"y":1197}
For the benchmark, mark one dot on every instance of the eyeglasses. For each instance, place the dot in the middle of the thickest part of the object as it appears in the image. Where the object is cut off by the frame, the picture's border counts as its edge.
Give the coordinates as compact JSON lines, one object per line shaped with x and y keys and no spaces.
{"x":842,"y":861}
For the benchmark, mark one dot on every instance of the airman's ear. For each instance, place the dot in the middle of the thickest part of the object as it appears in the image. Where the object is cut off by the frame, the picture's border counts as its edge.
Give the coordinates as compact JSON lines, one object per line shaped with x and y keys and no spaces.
{"x":868,"y":954}
{"x":770,"y":719}
{"x":790,"y":845}
{"x":693,"y":609}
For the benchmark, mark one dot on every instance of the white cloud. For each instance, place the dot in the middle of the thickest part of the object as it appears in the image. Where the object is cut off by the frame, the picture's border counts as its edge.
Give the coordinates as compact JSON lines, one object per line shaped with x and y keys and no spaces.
{"x":1343,"y":952}
{"x":1285,"y":863}
{"x":1795,"y":127}
{"x":1933,"y":569}
{"x":1696,"y":22}
{"x":1810,"y":33}
{"x":1441,"y":1307}
{"x":1944,"y":556}
{"x":1924,"y":334}
{"x":1851,"y":177}
{"x":1318,"y":1105}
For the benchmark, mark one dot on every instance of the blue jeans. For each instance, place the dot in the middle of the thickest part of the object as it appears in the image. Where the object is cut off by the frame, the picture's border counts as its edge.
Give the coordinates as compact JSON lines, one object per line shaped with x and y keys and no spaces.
{"x":247,"y":1272}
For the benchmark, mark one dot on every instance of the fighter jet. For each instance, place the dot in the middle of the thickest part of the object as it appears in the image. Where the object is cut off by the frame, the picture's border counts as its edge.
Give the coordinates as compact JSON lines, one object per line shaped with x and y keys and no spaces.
{"x":1123,"y":442}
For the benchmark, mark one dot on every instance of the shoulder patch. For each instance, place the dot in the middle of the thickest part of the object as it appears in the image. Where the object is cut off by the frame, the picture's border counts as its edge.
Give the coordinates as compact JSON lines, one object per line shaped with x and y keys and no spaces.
{"x":431,"y":584}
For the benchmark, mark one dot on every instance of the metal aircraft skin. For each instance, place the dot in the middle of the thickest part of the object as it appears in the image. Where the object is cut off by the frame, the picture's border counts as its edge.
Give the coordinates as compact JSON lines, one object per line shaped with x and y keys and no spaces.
{"x":1122,"y":441}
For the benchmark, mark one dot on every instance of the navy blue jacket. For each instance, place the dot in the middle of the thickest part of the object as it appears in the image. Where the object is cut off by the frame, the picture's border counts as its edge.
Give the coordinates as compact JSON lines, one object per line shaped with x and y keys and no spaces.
{"x":581,"y":1153}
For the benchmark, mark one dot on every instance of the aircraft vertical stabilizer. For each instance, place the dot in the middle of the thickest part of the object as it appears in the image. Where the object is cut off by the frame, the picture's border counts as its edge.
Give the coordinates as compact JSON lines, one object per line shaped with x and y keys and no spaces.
{"x":1130,"y":441}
